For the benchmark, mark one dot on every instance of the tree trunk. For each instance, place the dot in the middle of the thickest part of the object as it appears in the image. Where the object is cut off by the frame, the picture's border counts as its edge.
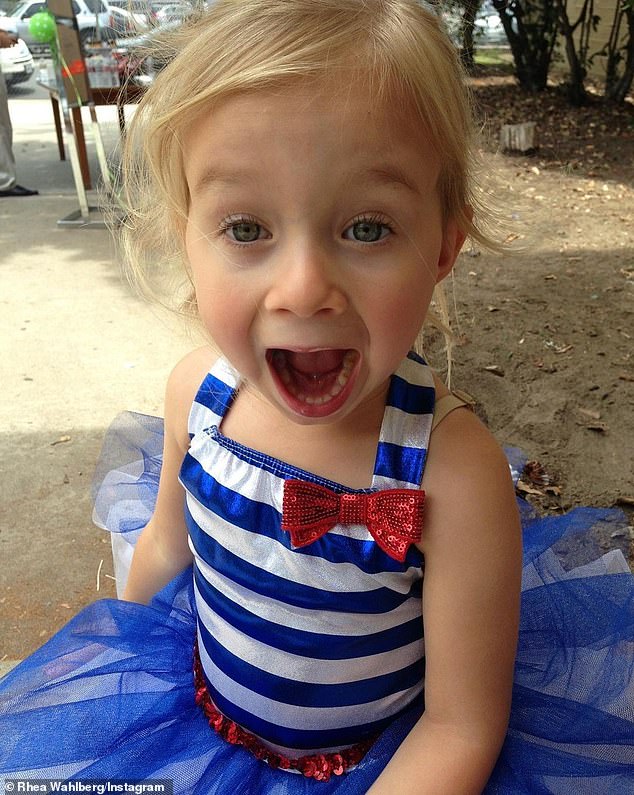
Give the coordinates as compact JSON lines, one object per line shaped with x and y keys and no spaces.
{"x":468,"y":27}
{"x":576,"y":88}
{"x":531,"y":30}
{"x":617,"y":88}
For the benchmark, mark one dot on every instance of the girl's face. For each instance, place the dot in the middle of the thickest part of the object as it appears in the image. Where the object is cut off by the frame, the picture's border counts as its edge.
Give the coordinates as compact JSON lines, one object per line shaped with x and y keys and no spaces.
{"x":315,"y":238}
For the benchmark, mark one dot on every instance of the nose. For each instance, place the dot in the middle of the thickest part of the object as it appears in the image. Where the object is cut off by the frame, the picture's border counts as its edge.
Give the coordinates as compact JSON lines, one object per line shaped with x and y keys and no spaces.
{"x":306,"y":282}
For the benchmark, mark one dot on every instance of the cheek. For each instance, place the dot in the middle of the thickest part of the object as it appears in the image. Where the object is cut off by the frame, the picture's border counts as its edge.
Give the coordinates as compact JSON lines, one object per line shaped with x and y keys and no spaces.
{"x":225,"y":309}
{"x":215,"y":310}
{"x":208,"y":279}
{"x":399,"y":314}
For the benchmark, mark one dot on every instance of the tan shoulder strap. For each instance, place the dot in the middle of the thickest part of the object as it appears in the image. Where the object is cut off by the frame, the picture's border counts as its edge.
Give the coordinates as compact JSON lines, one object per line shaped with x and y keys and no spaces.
{"x":445,"y":405}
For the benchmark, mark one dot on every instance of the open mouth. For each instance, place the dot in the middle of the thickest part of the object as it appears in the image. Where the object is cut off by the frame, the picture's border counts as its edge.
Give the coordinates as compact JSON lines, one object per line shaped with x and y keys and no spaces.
{"x":314,"y":383}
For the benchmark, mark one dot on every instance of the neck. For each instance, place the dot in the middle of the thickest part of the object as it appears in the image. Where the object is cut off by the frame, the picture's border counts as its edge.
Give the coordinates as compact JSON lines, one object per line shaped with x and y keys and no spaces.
{"x":343,"y":451}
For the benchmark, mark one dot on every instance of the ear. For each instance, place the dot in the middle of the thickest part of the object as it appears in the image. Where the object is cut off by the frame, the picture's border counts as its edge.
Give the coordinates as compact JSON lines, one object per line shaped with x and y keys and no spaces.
{"x":454,"y":236}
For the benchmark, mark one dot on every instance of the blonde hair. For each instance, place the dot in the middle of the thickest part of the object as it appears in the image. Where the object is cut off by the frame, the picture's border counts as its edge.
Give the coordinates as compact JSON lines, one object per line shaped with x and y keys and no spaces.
{"x":242,"y":46}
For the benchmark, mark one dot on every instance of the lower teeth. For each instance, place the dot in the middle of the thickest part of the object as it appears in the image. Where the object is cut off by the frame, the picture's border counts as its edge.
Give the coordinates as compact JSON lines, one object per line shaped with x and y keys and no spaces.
{"x":342,"y":379}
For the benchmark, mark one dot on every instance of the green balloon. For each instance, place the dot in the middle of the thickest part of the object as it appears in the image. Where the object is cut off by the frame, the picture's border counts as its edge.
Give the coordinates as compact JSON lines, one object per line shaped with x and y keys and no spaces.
{"x":42,"y":27}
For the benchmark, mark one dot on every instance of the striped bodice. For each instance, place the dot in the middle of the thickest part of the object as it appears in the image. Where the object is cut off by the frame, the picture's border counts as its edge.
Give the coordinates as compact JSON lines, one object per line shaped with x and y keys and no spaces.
{"x":311,"y":649}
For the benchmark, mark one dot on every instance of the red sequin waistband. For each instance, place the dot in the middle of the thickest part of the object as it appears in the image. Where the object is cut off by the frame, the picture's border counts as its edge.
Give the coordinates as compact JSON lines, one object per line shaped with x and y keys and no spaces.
{"x":317,"y":766}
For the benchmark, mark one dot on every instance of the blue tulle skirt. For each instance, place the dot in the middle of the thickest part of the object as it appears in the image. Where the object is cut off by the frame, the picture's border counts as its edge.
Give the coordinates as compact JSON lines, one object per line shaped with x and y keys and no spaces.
{"x":111,"y":695}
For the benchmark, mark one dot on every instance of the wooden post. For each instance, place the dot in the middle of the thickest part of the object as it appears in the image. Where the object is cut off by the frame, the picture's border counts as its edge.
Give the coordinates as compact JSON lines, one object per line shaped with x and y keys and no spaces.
{"x":518,"y":137}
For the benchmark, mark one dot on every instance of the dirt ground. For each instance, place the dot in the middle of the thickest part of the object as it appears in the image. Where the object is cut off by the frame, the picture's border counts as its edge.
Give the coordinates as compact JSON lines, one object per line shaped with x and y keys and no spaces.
{"x":544,"y":334}
{"x":543,"y":344}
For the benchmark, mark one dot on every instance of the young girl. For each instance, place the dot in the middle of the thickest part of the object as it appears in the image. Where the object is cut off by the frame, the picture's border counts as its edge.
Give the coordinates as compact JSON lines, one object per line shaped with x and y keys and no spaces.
{"x":350,"y":620}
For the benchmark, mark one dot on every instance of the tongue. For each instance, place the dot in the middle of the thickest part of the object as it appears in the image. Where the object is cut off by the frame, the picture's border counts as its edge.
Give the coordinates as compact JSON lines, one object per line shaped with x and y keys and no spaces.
{"x":315,"y":363}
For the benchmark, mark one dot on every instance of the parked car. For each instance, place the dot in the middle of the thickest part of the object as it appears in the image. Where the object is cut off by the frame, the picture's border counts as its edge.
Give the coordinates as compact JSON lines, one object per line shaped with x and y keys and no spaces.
{"x":92,"y":16}
{"x":122,"y":22}
{"x":488,"y":26}
{"x":141,"y":10}
{"x":174,"y":12}
{"x":16,"y":63}
{"x":143,"y":55}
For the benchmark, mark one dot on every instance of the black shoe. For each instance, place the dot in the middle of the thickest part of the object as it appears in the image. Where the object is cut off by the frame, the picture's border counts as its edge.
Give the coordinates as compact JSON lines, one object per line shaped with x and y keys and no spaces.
{"x":18,"y":190}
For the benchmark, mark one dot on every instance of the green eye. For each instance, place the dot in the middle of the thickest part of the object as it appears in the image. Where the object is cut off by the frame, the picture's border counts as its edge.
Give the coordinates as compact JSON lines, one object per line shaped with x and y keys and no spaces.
{"x":245,"y":232}
{"x":367,"y":230}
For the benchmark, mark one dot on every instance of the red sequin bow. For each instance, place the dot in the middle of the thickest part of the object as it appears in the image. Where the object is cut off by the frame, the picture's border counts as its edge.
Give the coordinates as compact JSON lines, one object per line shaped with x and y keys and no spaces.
{"x":394,"y":517}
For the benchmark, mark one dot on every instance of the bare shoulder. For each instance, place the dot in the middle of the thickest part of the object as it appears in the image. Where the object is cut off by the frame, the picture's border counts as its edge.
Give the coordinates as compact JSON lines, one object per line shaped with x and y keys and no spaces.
{"x":182,"y":386}
{"x":468,"y":484}
{"x":189,"y":372}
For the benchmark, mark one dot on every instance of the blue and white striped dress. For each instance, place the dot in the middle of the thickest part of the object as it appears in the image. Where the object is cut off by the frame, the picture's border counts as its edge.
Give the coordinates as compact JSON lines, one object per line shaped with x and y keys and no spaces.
{"x":312,"y":649}
{"x":315,"y":648}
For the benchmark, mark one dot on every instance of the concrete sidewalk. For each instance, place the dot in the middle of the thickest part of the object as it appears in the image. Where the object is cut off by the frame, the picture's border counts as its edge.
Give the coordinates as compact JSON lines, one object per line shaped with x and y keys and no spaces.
{"x":76,"y":348}
{"x":35,"y":145}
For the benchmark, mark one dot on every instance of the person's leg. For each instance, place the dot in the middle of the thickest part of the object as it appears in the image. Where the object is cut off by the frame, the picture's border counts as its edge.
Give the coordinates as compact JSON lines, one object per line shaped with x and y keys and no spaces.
{"x":7,"y":161}
{"x":8,"y":184}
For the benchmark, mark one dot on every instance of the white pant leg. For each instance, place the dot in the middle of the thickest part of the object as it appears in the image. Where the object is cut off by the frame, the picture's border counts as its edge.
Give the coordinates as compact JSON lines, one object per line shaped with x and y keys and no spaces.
{"x":7,"y":161}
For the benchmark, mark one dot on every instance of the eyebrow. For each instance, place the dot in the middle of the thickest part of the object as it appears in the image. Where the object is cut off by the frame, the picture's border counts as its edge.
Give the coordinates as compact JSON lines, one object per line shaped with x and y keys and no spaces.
{"x":214,"y":176}
{"x":390,"y":175}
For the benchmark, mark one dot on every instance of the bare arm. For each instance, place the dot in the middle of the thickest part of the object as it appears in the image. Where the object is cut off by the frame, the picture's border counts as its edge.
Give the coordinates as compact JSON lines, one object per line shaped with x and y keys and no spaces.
{"x":472,"y":549}
{"x":162,"y":550}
